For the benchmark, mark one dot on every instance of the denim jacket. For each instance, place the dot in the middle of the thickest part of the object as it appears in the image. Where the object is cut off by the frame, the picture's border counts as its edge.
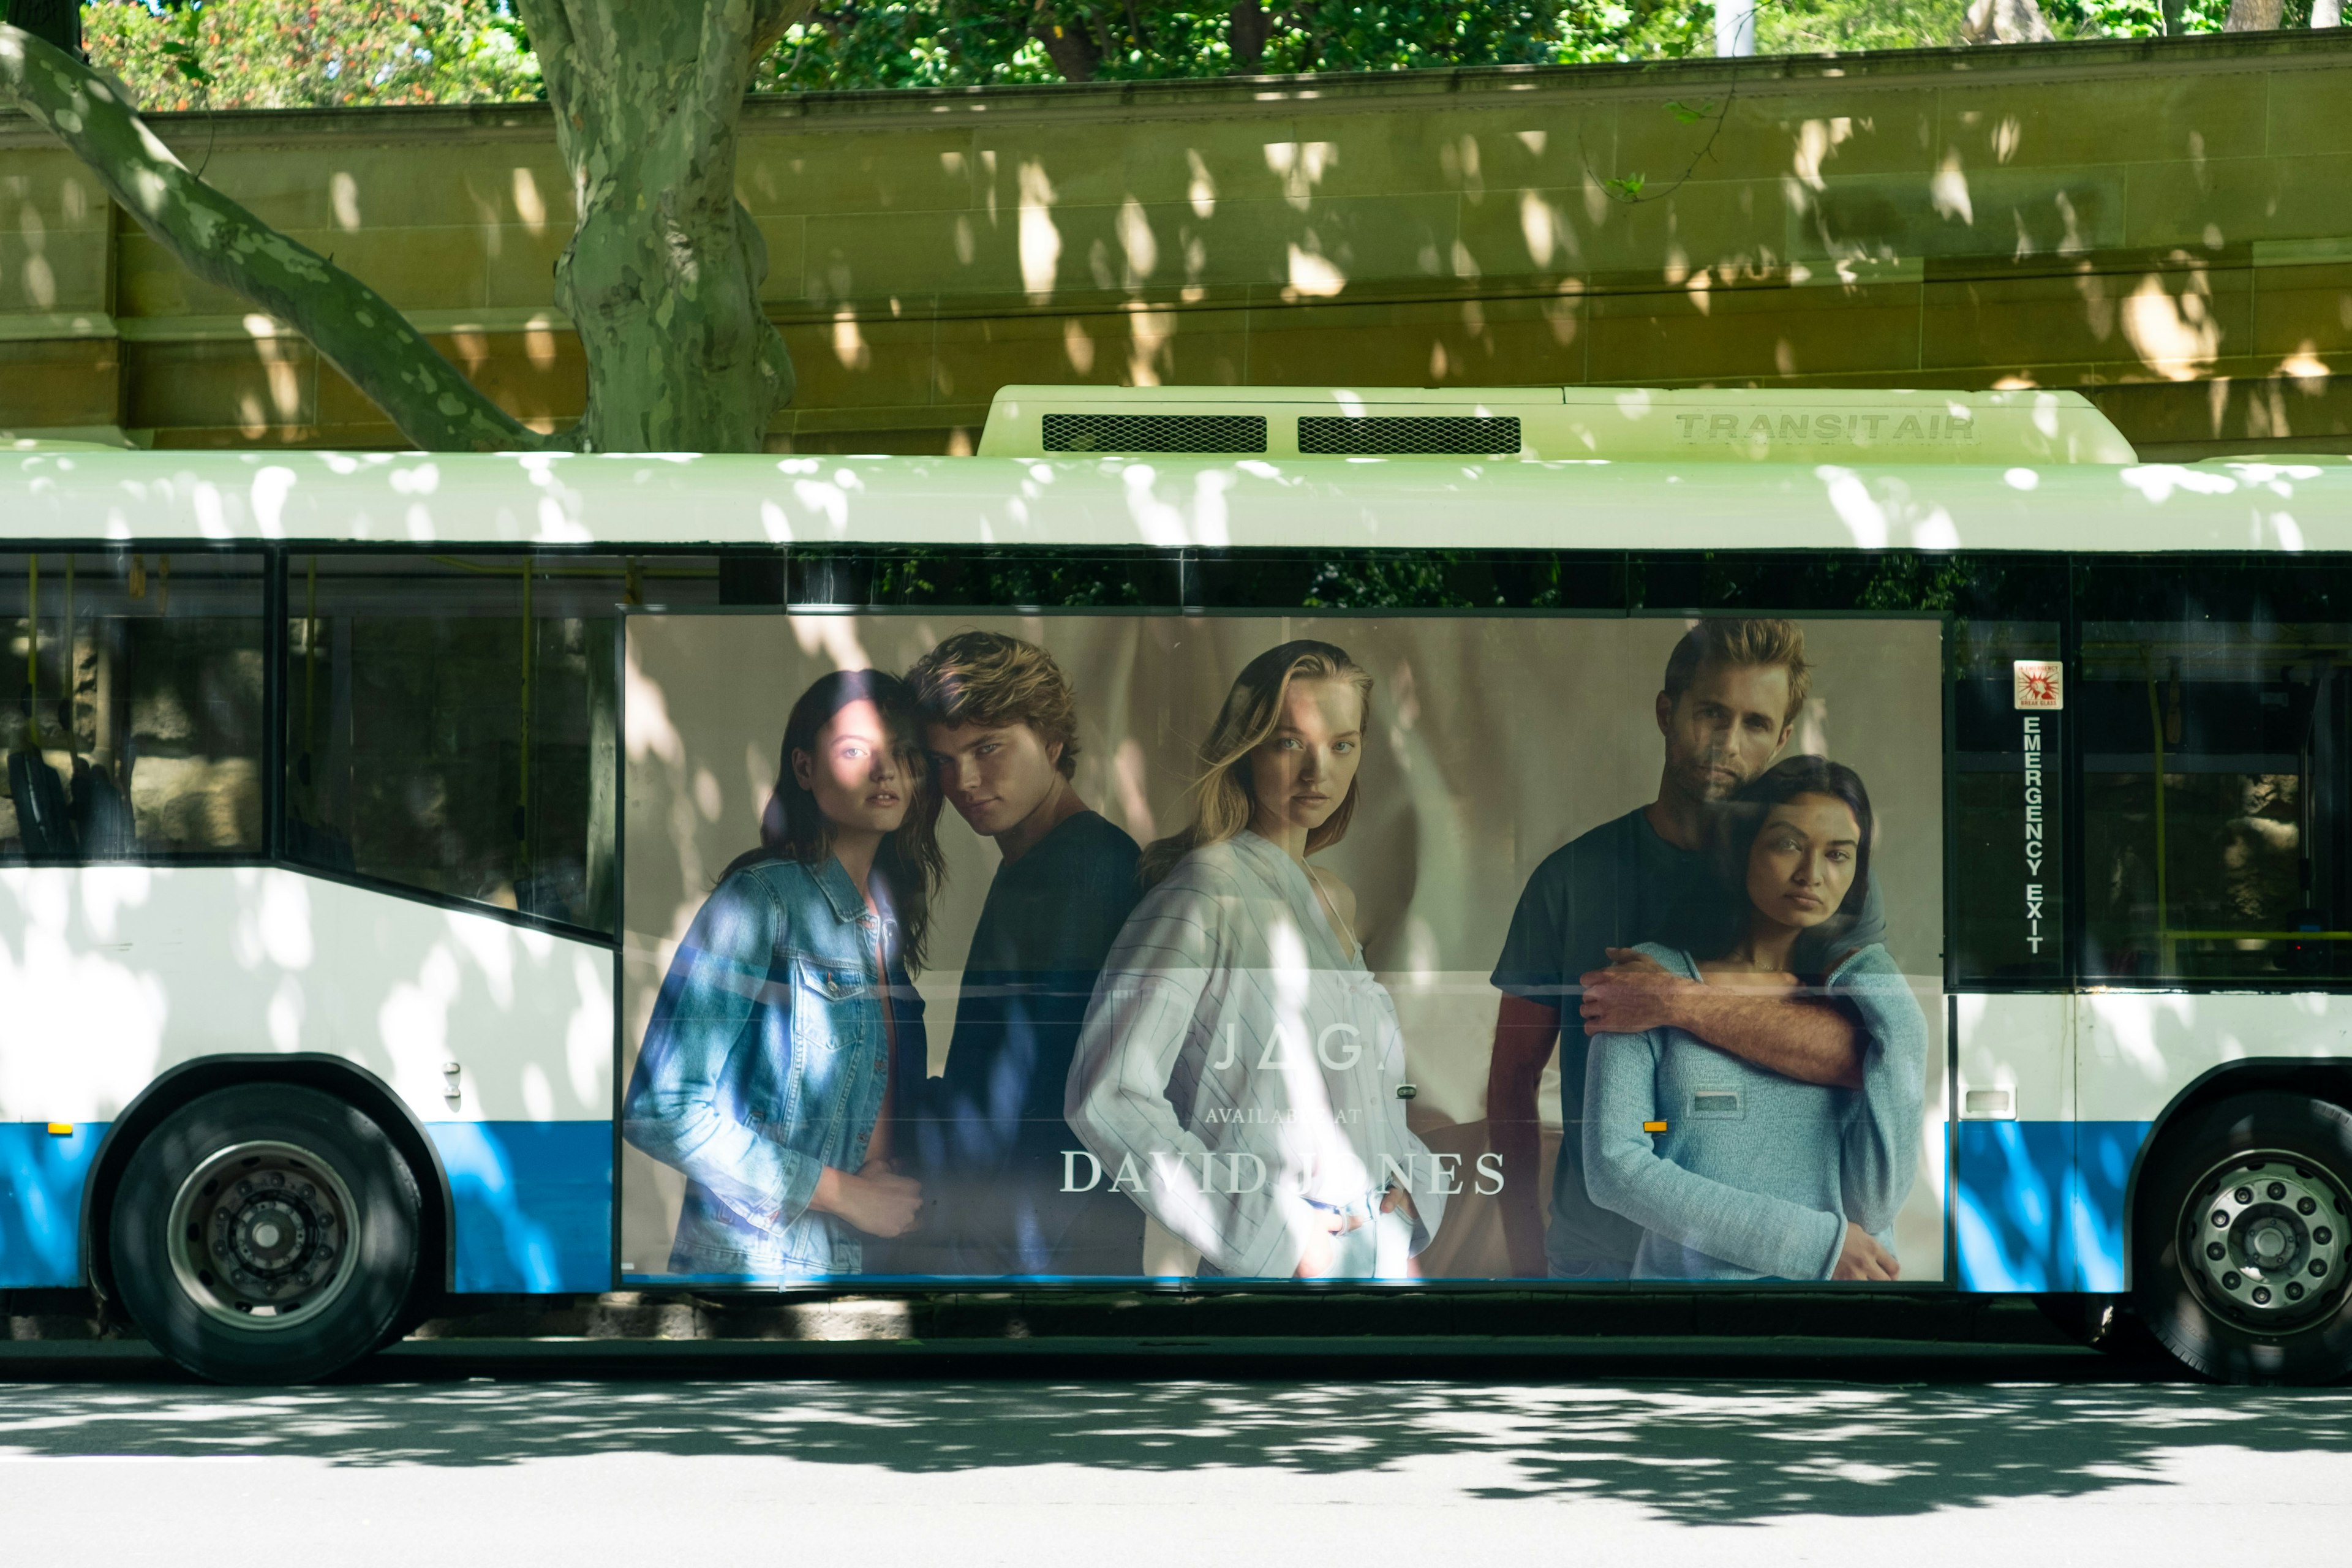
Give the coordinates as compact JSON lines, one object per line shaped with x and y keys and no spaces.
{"x":764,"y":1063}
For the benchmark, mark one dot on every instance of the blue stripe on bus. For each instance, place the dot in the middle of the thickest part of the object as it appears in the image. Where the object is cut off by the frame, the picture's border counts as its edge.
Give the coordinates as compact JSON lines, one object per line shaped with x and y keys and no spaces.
{"x":2038,"y":1205}
{"x":533,"y":1202}
{"x":41,"y":1177}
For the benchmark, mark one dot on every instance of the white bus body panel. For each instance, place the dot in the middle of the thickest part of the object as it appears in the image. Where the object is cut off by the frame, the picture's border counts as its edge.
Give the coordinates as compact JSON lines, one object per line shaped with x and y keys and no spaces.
{"x":498,"y":1037}
{"x":2058,"y":1095}
{"x":112,"y":974}
{"x":1324,"y":503}
{"x":2141,"y":1049}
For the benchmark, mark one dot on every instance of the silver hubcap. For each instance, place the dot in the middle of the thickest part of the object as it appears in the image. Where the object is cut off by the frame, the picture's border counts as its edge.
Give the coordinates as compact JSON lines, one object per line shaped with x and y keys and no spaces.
{"x":2264,"y":1240}
{"x":262,"y":1235}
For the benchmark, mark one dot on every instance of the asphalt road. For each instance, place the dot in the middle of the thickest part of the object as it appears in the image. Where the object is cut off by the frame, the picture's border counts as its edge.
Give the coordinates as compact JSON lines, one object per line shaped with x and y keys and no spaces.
{"x":1910,"y":1458}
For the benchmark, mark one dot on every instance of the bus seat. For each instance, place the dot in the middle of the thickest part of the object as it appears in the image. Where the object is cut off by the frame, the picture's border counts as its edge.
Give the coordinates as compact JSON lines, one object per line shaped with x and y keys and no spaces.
{"x":101,"y":817}
{"x":44,"y":822}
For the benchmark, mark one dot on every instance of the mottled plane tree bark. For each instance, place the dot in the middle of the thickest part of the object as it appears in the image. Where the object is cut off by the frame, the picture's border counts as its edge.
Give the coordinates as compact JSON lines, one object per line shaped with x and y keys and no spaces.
{"x":2005,"y":22}
{"x":661,"y":279}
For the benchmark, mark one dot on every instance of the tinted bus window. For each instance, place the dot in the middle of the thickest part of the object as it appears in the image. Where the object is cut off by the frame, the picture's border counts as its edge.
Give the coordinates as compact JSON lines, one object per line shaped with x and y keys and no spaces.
{"x":137,"y":729}
{"x":450,"y":721}
{"x":2008,"y":700}
{"x":2213,"y":715}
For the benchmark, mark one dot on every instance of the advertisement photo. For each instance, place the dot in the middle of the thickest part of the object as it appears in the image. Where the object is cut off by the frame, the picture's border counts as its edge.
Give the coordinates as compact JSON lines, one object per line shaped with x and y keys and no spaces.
{"x":1379,"y":948}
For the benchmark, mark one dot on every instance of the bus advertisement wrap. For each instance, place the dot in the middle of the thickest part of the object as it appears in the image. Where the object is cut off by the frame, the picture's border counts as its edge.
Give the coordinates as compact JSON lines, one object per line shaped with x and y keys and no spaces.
{"x":1375,"y":947}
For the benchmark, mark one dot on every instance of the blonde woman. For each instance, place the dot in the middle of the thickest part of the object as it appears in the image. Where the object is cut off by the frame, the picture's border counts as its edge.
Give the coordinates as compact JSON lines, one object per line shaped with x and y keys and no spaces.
{"x":1238,"y":1070}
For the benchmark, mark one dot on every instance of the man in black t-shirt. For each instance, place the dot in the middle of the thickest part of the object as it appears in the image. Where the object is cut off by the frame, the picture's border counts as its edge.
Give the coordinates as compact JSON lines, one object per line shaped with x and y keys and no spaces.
{"x":1732,"y":693}
{"x":1003,"y":733}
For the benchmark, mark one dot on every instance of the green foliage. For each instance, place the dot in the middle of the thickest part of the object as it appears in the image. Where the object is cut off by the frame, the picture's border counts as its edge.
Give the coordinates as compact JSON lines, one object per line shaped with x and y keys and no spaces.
{"x":1842,"y":27}
{"x":221,"y":54}
{"x":2143,"y":18}
{"x":280,"y":54}
{"x":961,"y":43}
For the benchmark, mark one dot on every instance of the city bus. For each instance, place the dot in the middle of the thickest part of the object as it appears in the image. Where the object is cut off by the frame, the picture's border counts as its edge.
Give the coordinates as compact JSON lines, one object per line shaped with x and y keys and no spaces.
{"x":378,"y":825}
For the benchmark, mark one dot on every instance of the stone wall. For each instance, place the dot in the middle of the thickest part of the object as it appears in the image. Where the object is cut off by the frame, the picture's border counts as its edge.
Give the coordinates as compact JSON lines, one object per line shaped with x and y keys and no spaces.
{"x":2167,"y":224}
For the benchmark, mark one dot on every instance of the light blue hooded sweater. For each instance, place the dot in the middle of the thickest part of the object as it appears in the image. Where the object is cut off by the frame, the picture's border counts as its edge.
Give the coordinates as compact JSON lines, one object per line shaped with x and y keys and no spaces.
{"x":1757,"y":1175}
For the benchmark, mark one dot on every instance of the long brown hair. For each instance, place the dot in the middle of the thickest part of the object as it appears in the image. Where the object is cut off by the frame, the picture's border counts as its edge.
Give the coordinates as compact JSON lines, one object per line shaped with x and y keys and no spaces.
{"x":1222,"y":800}
{"x":793,"y":828}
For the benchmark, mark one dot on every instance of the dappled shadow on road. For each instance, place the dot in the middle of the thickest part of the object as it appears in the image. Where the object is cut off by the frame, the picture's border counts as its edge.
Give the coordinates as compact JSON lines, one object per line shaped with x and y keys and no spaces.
{"x":1697,"y":1452}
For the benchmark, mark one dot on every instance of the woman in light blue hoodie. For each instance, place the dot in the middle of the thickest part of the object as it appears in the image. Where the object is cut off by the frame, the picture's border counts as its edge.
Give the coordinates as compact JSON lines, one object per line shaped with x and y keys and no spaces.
{"x":1733,"y":1170}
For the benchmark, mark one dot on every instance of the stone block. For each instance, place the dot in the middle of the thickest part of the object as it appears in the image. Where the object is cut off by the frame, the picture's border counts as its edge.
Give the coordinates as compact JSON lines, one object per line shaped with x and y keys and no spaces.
{"x":54,"y":382}
{"x":798,"y":171}
{"x":1762,"y":334}
{"x":246,"y":392}
{"x":2183,"y":117}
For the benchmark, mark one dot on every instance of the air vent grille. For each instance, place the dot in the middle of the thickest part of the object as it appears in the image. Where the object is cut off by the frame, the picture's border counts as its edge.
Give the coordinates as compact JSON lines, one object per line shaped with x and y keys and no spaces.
{"x":1155,"y":432}
{"x":1375,"y":436}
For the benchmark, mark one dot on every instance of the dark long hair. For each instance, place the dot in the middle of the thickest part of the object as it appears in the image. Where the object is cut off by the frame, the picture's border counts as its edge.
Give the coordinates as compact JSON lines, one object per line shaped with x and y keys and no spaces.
{"x":1731,"y":839}
{"x":793,"y":828}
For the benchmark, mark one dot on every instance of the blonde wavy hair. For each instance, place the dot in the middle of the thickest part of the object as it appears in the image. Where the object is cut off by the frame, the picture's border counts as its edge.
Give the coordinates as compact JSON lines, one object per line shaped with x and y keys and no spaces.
{"x":1222,"y":800}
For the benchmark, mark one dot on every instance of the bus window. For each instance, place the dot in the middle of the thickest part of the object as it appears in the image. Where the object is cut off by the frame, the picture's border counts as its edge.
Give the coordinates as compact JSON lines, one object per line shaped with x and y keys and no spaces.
{"x":137,"y":726}
{"x":450,"y":721}
{"x":2213,"y":716}
{"x":2007,"y":873}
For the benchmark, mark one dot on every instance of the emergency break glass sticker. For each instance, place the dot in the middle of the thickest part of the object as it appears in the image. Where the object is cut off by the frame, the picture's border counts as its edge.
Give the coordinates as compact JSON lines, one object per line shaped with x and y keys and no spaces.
{"x":2039,"y":683}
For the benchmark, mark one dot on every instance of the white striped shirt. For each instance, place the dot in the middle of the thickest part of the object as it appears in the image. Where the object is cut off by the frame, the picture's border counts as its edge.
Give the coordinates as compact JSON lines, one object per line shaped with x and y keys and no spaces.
{"x":1237,"y":1074}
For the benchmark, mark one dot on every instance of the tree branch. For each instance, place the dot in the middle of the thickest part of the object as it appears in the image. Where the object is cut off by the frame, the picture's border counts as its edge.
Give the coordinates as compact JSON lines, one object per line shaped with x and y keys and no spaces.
{"x":350,"y":323}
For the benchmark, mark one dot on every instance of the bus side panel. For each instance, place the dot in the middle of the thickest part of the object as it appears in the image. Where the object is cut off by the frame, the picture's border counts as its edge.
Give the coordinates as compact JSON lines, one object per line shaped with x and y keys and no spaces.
{"x":2141,"y":1049}
{"x":42,"y":1171}
{"x":2042,"y":1203}
{"x":111,"y":975}
{"x":2012,"y":1162}
{"x":533,"y":1203}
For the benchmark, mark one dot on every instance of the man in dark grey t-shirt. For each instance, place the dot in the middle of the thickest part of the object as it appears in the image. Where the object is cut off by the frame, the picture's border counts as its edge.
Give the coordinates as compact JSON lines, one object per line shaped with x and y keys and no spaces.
{"x":1732,"y":693}
{"x":1002,"y":726}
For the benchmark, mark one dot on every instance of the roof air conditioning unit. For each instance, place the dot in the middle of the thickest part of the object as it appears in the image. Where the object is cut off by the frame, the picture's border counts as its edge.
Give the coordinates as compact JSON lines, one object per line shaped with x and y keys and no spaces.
{"x":1612,"y":424}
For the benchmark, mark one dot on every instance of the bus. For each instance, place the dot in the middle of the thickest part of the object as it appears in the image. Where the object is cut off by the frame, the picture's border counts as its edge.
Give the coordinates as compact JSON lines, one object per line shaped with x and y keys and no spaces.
{"x":1208,"y":839}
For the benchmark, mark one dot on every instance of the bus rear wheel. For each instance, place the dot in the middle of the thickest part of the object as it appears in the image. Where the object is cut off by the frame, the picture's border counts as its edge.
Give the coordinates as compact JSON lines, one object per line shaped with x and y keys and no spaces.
{"x":266,"y":1233}
{"x":2242,"y":1241}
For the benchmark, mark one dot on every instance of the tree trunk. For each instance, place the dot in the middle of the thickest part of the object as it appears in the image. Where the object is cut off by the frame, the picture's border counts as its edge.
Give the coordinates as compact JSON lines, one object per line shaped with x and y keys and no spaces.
{"x":351,"y":325}
{"x":56,"y":23}
{"x":662,"y":277}
{"x":1071,"y":47}
{"x":2006,"y":22}
{"x":2326,"y":13}
{"x":1250,"y":28}
{"x":2254,"y":15}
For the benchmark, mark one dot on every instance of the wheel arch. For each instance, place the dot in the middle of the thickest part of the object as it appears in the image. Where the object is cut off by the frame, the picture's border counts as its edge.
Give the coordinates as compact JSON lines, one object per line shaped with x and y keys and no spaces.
{"x":347,"y":1080}
{"x":2326,"y":1079}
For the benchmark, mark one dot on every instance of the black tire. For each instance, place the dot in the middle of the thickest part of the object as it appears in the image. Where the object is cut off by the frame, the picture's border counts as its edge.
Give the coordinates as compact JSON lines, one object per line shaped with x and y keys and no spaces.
{"x":266,"y":1234}
{"x":2240,"y":1231}
{"x":2106,"y":1324}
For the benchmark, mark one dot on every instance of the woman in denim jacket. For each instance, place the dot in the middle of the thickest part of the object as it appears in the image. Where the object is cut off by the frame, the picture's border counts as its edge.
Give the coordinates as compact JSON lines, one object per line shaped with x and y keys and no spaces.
{"x":787,"y":1030}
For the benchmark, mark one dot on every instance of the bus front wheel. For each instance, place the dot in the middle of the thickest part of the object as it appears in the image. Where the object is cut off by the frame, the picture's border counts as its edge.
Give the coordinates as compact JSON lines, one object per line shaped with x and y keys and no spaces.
{"x":266,"y":1233}
{"x":2242,"y":1241}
